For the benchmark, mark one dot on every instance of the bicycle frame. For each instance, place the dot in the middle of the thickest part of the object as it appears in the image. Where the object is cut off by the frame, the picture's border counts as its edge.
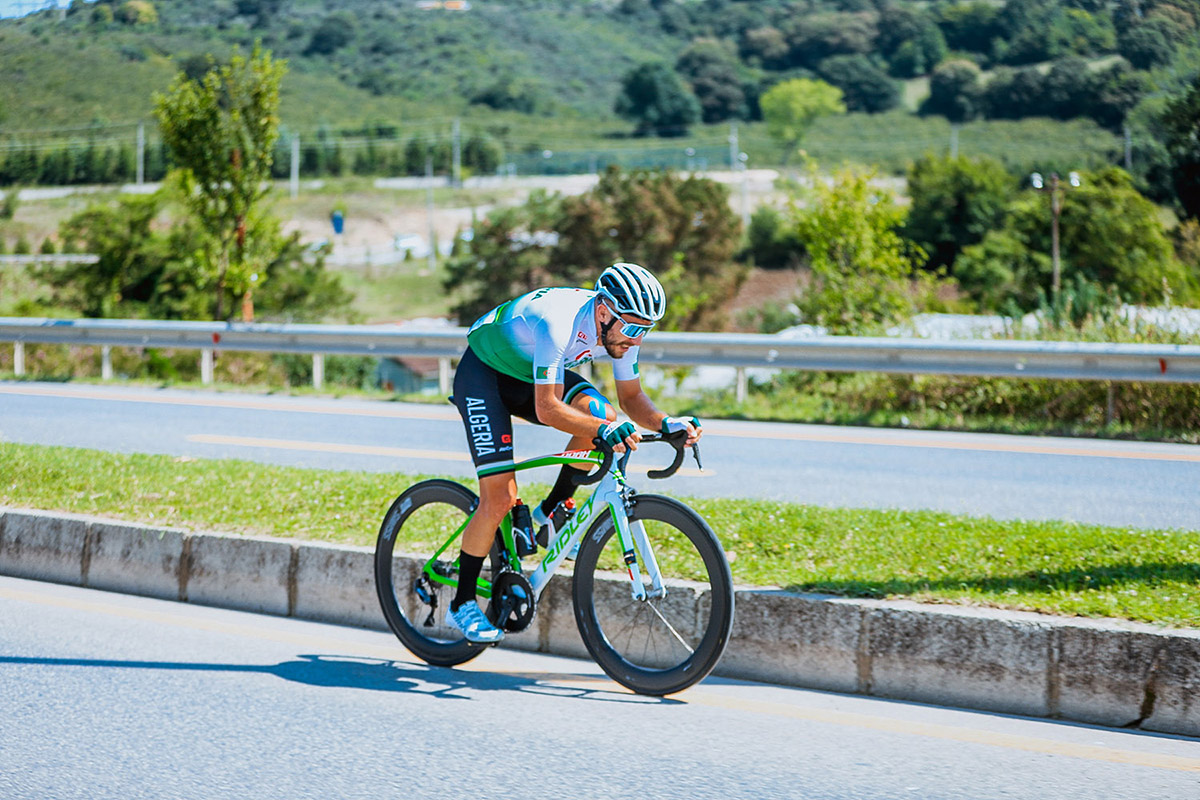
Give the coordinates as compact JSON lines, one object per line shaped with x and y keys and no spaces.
{"x":609,"y":496}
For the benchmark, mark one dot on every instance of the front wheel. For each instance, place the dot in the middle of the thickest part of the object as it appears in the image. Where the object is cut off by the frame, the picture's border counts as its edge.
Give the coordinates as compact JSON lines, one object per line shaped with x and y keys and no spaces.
{"x":415,"y":604}
{"x":656,"y":646}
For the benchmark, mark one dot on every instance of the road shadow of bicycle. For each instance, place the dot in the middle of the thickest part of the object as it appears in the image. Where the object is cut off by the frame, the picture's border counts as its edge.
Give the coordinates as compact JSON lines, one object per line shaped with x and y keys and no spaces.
{"x":384,"y":675}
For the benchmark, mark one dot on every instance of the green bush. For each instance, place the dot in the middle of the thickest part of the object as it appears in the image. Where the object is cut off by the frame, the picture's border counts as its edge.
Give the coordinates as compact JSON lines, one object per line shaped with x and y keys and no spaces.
{"x":12,"y":199}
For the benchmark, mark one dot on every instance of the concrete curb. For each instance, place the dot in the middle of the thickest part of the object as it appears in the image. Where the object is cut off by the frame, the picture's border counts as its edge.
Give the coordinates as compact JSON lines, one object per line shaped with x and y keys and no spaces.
{"x":1104,"y":672}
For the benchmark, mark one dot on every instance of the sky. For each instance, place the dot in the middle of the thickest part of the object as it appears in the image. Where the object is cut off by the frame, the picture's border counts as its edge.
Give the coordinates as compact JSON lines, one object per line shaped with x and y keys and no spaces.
{"x":11,"y":8}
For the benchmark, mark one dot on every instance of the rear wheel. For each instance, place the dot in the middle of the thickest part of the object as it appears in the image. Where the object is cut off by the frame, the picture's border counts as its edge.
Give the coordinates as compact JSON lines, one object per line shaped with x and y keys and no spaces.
{"x":415,"y":604}
{"x":656,"y":646}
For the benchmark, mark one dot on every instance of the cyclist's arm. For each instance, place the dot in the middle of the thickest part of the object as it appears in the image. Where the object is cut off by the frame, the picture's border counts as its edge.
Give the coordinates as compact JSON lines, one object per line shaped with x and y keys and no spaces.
{"x":638,"y":406}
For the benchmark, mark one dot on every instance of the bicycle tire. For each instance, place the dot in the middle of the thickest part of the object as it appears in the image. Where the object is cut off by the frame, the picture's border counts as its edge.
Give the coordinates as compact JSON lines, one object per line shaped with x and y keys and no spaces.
{"x":637,"y":643}
{"x":440,"y":506}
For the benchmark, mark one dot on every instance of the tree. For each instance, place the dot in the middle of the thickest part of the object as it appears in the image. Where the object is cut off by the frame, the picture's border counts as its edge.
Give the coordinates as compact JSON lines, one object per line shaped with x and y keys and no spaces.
{"x":150,"y":269}
{"x":133,"y":257}
{"x":681,"y":229}
{"x":1111,"y":237}
{"x":955,"y":92}
{"x":335,"y":32}
{"x":137,"y":12}
{"x":861,"y":265}
{"x":1068,"y":88}
{"x":955,"y":202}
{"x":791,"y":107}
{"x":508,"y":256}
{"x":1180,"y":125}
{"x":222,"y":132}
{"x":864,"y":86}
{"x":1116,"y":91}
{"x":656,"y":99}
{"x":771,"y":240}
{"x":1146,"y":45}
{"x":970,"y":27}
{"x":509,"y":93}
{"x":909,"y":41}
{"x":814,"y":38}
{"x":712,"y":72}
{"x":1012,"y":94}
{"x":764,"y":47}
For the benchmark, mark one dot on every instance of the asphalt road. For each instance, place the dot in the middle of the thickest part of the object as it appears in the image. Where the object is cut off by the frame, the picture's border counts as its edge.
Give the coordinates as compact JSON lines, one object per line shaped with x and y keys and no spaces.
{"x":1136,"y":484}
{"x":112,"y":696}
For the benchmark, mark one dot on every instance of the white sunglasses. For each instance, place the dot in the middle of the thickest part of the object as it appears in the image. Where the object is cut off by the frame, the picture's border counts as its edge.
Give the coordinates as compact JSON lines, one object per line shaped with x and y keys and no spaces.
{"x":632,"y":329}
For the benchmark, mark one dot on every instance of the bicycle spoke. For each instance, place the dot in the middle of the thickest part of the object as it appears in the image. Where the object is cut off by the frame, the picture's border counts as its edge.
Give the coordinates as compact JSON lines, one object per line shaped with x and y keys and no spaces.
{"x":671,"y":628}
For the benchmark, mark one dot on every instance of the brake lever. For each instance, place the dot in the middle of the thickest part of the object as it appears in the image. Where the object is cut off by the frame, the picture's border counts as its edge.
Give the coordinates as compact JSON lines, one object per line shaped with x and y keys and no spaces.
{"x":696,"y":455}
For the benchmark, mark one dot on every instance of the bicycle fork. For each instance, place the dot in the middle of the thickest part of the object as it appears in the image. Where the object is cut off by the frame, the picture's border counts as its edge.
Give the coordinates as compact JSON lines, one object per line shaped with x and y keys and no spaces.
{"x":634,"y":543}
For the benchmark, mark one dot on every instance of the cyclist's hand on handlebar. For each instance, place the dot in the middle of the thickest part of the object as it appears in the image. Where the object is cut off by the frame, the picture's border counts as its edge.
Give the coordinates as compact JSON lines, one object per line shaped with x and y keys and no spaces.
{"x":619,"y":435}
{"x":690,"y":424}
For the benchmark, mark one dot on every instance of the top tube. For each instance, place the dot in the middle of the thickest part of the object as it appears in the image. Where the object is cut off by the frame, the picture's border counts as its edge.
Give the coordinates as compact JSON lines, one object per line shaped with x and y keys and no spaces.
{"x":592,"y":457}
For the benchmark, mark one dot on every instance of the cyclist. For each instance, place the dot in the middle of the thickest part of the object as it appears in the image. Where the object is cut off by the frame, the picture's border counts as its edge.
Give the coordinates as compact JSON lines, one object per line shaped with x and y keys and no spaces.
{"x":519,"y":361}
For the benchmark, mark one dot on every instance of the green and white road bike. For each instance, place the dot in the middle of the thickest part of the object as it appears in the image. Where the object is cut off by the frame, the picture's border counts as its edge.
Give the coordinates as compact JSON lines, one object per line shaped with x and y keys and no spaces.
{"x":652,"y":591}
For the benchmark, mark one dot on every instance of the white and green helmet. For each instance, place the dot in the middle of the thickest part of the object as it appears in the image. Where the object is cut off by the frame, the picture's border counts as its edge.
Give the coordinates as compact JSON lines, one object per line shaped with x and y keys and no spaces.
{"x":630,"y":289}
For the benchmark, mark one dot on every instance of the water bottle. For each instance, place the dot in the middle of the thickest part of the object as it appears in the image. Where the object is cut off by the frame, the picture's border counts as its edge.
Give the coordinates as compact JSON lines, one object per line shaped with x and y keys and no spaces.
{"x":522,"y":528}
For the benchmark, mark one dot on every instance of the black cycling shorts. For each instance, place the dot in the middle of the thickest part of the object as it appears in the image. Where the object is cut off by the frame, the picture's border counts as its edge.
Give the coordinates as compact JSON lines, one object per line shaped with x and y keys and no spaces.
{"x":488,"y":400}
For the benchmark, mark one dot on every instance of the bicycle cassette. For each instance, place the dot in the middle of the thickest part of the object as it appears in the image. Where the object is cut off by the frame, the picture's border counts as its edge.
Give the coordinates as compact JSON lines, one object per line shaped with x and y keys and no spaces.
{"x":512,"y":605}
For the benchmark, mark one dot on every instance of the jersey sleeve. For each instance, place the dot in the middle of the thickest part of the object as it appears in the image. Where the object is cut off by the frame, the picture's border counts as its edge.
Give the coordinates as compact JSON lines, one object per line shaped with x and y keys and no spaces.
{"x":626,"y":367}
{"x":549,"y":351}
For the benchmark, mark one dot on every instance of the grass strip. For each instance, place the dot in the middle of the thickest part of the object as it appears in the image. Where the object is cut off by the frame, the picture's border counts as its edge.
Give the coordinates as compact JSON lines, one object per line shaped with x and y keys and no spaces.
{"x":1053,"y":567}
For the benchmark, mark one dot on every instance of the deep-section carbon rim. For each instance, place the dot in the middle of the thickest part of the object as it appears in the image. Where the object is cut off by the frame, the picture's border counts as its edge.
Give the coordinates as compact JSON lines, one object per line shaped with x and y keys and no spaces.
{"x":660,"y":645}
{"x":420,"y":520}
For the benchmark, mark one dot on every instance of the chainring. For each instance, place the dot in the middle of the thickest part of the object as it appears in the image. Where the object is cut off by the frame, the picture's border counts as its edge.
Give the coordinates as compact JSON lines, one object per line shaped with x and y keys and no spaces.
{"x":513,"y":603}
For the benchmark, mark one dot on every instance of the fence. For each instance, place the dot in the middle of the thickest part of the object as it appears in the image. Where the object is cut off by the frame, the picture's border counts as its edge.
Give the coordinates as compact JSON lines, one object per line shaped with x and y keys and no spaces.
{"x":1158,"y":363}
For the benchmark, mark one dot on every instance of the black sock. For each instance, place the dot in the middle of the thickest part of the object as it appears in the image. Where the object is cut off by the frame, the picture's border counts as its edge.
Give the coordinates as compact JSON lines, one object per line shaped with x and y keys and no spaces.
{"x":564,"y":487}
{"x":469,"y":568}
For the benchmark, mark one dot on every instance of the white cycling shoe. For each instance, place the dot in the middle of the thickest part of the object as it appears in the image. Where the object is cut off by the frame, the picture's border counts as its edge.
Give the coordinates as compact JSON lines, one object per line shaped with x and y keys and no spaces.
{"x":474,"y":624}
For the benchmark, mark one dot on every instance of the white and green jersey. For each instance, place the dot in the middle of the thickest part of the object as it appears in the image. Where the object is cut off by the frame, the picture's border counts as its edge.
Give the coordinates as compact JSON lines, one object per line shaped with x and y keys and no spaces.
{"x":538,"y":336}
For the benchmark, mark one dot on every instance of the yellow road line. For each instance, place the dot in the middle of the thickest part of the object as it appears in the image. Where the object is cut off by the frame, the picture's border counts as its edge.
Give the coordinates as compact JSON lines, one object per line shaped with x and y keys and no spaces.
{"x":375,"y":450}
{"x":856,"y":436}
{"x":698,"y":696}
{"x":797,"y":432}
{"x":327,"y":447}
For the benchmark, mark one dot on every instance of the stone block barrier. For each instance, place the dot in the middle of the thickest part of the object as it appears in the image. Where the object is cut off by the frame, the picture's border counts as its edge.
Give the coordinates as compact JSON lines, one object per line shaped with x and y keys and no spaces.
{"x":1104,"y":672}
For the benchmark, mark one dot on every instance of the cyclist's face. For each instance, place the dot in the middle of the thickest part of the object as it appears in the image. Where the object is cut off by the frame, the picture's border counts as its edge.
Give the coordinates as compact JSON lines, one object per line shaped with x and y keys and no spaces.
{"x":616,"y":343}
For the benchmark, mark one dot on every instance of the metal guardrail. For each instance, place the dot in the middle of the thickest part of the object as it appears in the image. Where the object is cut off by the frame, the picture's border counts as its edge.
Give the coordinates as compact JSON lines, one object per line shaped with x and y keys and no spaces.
{"x":51,"y":258}
{"x":1159,"y":363}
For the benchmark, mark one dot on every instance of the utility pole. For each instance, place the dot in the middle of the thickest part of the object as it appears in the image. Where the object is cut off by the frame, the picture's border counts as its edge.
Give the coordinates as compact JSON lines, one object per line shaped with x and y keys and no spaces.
{"x":1055,"y":189}
{"x":429,"y":210}
{"x":456,"y":138}
{"x":294,"y":183}
{"x":742,"y":165}
{"x":141,"y":153}
{"x":733,"y":146}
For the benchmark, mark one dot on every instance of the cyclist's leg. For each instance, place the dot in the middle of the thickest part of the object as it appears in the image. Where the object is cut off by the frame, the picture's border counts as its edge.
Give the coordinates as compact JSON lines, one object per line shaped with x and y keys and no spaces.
{"x":489,"y":437}
{"x":581,"y":394}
